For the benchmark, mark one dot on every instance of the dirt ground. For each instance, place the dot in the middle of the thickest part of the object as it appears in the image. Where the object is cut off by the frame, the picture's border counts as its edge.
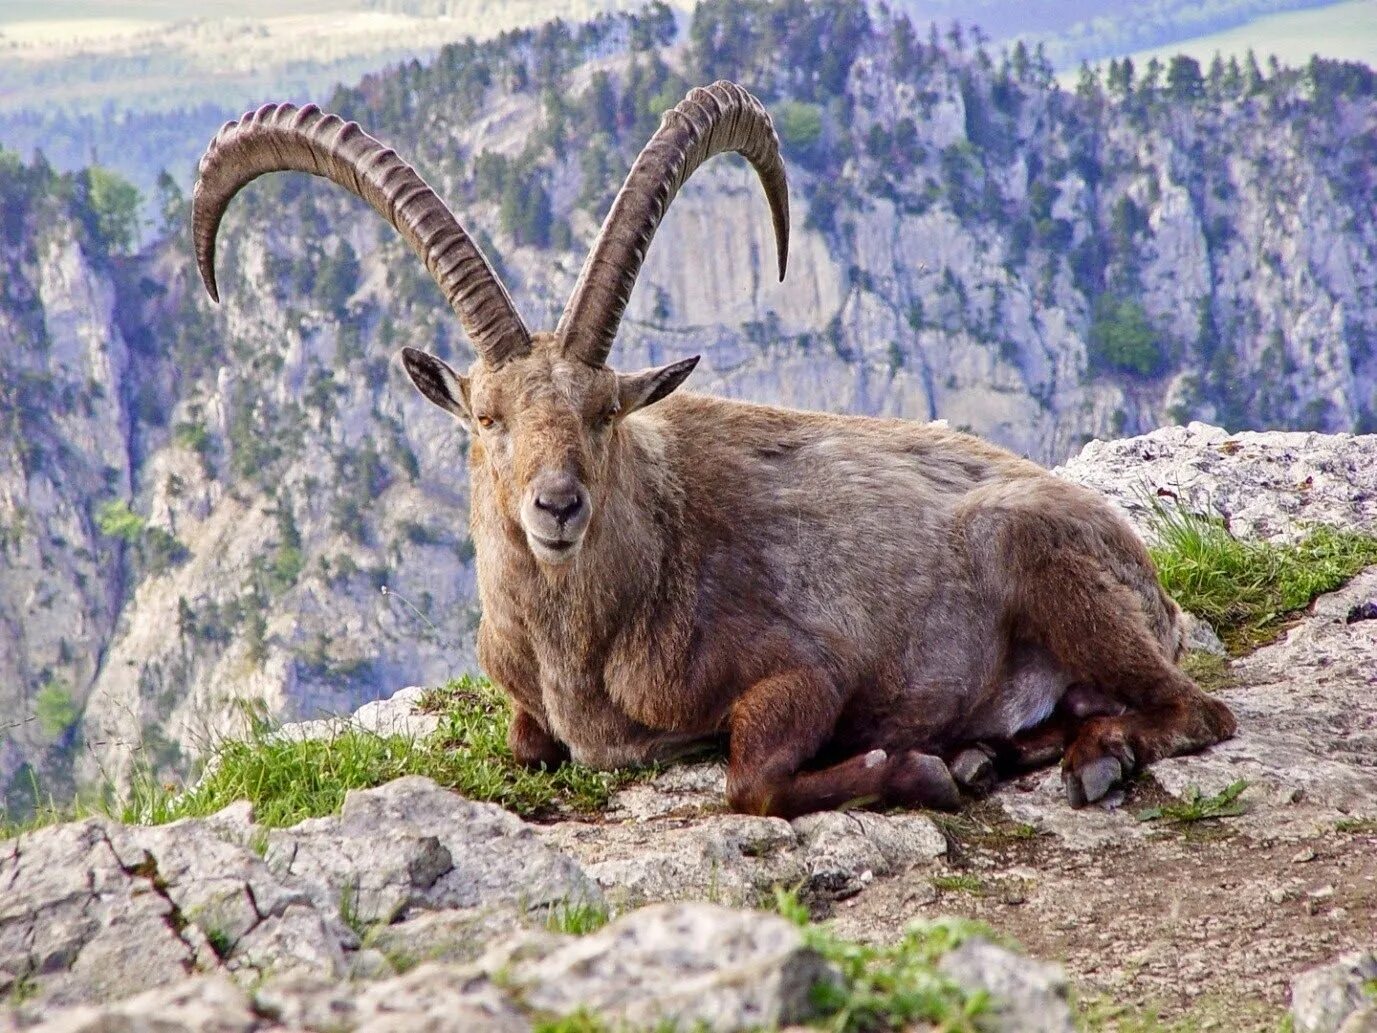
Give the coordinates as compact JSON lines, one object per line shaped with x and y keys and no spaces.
{"x":1197,"y":925}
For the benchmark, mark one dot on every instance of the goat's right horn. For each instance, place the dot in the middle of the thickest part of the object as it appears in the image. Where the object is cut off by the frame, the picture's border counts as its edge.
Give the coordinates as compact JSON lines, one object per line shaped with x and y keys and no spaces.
{"x":710,"y":120}
{"x":282,"y":137}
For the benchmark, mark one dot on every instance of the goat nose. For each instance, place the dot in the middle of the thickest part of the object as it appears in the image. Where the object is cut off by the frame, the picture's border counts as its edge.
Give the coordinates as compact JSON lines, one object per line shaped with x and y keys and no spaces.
{"x":560,"y":503}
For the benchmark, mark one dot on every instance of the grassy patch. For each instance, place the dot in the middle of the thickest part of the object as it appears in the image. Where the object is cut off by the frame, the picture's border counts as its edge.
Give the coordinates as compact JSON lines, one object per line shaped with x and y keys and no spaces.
{"x":583,"y":1021}
{"x":288,"y":781}
{"x":959,"y":883}
{"x":1246,"y":590}
{"x":985,"y":825}
{"x":891,"y":987}
{"x":1196,"y":806}
{"x":1210,"y":671}
{"x":577,"y":917}
{"x":1357,"y":826}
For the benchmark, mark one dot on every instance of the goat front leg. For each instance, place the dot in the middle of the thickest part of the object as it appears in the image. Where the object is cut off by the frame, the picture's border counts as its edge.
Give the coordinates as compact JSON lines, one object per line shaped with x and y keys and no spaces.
{"x":514,"y":671}
{"x":531,"y":744}
{"x":781,"y":723}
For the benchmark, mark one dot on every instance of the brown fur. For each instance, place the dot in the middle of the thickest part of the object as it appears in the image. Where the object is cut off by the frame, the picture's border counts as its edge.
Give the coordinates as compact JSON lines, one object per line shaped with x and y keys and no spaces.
{"x":849,"y":602}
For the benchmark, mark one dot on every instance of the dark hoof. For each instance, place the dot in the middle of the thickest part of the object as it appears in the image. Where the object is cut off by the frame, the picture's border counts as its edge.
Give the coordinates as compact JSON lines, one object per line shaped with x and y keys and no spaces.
{"x":922,"y":780}
{"x":974,"y":770}
{"x":1090,"y":782}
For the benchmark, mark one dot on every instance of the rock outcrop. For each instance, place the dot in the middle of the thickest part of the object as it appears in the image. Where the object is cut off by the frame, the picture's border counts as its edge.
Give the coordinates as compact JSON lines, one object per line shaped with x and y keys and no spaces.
{"x":415,"y":906}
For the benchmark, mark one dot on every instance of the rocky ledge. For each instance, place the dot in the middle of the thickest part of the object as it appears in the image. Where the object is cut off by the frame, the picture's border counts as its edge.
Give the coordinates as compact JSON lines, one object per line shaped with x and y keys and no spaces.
{"x":415,"y":907}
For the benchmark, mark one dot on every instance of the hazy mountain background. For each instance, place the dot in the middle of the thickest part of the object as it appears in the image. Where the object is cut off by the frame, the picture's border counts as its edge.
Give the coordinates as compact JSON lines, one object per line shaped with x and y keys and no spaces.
{"x":201,"y":506}
{"x":138,"y":85}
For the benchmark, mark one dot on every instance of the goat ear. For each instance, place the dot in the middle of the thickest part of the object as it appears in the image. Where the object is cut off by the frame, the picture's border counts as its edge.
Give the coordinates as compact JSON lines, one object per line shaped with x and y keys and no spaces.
{"x":648,"y":386}
{"x":434,"y":379}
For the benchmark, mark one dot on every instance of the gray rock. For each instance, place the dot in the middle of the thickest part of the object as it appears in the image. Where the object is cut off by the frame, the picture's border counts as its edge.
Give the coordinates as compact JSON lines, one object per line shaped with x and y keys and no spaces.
{"x":683,"y":789}
{"x":1267,"y":485}
{"x":691,"y":966}
{"x":688,"y":965}
{"x":410,"y":846}
{"x":252,"y":918}
{"x":1200,"y":637}
{"x":193,"y":897}
{"x":395,"y":715}
{"x":202,"y":1004}
{"x":78,"y":895}
{"x":731,"y":858}
{"x":437,"y":998}
{"x":70,"y":910}
{"x":1307,"y":720}
{"x":674,"y":844}
{"x":449,"y":935}
{"x":843,"y":852}
{"x":1026,"y":996}
{"x":1338,"y":997}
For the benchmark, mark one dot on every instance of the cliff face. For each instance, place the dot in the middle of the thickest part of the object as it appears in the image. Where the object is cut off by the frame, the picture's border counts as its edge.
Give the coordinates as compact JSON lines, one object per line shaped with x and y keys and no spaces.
{"x":201,"y":506}
{"x":63,"y":363}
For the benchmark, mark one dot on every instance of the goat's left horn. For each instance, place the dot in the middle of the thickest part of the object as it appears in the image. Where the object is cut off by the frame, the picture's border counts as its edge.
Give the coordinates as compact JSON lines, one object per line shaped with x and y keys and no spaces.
{"x":710,"y":120}
{"x":281,"y":137}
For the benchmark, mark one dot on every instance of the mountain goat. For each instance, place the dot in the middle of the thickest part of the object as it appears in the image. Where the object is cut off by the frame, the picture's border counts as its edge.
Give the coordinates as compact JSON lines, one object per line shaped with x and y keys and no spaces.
{"x":862,"y":610}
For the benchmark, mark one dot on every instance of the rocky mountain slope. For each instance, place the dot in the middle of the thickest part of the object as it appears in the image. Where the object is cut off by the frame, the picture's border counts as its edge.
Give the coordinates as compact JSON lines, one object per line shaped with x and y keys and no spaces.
{"x":206,"y":513}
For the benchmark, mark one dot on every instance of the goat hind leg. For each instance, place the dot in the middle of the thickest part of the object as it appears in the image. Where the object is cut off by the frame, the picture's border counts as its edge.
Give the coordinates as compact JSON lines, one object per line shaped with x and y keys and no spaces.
{"x":1088,"y":594}
{"x":1163,"y":713}
{"x":782,"y":722}
{"x":1107,"y":749}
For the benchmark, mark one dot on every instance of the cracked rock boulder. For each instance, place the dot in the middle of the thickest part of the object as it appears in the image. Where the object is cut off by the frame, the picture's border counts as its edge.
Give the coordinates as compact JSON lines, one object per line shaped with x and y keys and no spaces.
{"x":686,"y":965}
{"x":411,"y":847}
{"x":671,"y":848}
{"x":673,"y":966}
{"x":193,"y":896}
{"x":1270,"y":485}
{"x":94,"y":910}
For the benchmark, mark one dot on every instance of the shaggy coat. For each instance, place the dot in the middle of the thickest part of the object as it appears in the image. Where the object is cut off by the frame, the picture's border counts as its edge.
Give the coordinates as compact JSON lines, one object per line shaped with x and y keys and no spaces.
{"x":811,"y":589}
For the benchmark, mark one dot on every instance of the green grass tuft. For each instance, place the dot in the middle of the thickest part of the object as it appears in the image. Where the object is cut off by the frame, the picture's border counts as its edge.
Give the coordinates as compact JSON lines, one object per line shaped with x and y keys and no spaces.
{"x":290,"y":781}
{"x":890,"y":987}
{"x":578,"y":1022}
{"x":1246,"y":590}
{"x":577,"y":917}
{"x":1357,"y":826}
{"x":1195,"y":806}
{"x":962,"y":882}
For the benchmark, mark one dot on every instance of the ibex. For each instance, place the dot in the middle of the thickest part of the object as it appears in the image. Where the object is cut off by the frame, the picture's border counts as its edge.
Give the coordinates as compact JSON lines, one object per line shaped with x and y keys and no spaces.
{"x":864,"y":610}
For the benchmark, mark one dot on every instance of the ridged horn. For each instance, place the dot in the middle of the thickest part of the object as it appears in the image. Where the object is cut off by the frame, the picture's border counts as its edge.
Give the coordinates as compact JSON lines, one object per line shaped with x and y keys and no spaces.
{"x":710,"y":120}
{"x":282,"y":137}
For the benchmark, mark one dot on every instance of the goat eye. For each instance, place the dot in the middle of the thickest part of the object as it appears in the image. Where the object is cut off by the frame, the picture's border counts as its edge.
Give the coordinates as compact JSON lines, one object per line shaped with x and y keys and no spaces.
{"x":607,"y":416}
{"x":485,"y":422}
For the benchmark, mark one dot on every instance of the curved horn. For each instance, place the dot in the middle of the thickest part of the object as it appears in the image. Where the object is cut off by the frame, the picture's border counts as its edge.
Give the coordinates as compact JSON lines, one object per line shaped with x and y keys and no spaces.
{"x":710,"y":120}
{"x":282,"y":137}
